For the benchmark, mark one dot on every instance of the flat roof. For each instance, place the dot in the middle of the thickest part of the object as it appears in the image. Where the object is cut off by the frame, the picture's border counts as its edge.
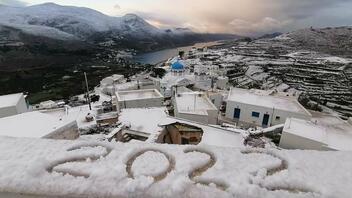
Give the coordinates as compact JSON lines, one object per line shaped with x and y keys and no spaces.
{"x":152,"y":120}
{"x":329,"y":130}
{"x":78,"y":113}
{"x":138,"y":94}
{"x":10,"y":100}
{"x":213,"y":136}
{"x":261,"y":98}
{"x":32,"y":124}
{"x":193,"y":103}
{"x":144,"y":120}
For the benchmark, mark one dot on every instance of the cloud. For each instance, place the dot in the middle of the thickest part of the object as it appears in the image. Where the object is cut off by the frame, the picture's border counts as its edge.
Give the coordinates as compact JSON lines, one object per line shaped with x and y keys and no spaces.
{"x":264,"y":25}
{"x":117,"y":7}
{"x":17,"y":3}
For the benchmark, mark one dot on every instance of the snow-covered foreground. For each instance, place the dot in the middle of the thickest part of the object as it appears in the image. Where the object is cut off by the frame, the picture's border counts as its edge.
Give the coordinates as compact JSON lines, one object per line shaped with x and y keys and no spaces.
{"x":61,"y":168}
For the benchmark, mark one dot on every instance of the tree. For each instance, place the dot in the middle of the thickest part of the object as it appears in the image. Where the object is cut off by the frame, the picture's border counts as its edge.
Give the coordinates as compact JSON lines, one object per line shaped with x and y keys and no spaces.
{"x":158,"y":72}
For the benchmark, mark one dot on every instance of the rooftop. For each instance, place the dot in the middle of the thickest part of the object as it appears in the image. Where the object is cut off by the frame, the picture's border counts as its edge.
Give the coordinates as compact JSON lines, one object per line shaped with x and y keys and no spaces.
{"x":144,"y":120}
{"x":264,"y":99}
{"x":78,"y":113}
{"x":329,"y":130}
{"x":138,"y":94}
{"x":193,"y":103}
{"x":157,"y":117}
{"x":10,"y":100}
{"x":212,"y":135}
{"x":31,"y":124}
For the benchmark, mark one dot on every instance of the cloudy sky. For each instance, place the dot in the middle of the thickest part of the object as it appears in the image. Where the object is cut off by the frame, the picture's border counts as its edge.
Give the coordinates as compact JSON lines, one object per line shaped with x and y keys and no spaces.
{"x":246,"y":17}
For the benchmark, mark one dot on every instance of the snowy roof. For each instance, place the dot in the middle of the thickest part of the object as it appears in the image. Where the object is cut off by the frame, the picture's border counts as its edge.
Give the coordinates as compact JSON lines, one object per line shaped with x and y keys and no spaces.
{"x":31,"y":124}
{"x":115,"y":77}
{"x":193,"y":103}
{"x":151,"y":120}
{"x":263,"y":99}
{"x":138,"y":94}
{"x":144,"y":120}
{"x":212,"y":135}
{"x":329,"y":130}
{"x":10,"y":100}
{"x":37,"y":167}
{"x":78,"y":113}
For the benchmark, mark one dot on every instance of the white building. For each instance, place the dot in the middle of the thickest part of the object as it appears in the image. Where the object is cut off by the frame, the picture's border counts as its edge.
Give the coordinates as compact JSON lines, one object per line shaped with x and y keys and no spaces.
{"x":195,"y":106}
{"x":172,"y":80}
{"x":111,"y":80}
{"x":206,"y":69}
{"x":139,"y":98}
{"x":38,"y":125}
{"x":321,"y":133}
{"x":200,"y":70}
{"x":48,"y":105}
{"x":262,"y":108}
{"x":12,"y":104}
{"x":217,"y":97}
{"x":222,"y":82}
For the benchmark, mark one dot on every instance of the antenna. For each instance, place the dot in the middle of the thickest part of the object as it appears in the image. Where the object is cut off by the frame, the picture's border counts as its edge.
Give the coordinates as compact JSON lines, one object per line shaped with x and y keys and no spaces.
{"x":195,"y":101}
{"x":88,"y":97}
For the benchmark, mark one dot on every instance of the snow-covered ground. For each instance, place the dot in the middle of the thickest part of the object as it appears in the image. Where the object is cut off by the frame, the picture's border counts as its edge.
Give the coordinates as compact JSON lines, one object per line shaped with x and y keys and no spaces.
{"x":28,"y":166}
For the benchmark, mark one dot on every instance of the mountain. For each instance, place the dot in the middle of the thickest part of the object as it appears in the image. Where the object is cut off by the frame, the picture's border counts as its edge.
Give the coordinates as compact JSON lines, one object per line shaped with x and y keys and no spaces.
{"x":269,"y":36}
{"x":330,"y":40}
{"x":77,"y":21}
{"x":48,"y":31}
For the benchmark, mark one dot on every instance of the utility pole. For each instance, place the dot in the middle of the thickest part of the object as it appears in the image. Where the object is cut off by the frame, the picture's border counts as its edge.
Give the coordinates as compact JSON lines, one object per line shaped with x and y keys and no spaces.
{"x":88,"y":97}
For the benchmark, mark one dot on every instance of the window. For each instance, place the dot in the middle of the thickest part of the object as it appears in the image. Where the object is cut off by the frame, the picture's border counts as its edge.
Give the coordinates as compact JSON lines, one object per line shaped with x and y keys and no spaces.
{"x":255,"y":114}
{"x":184,"y":141}
{"x":277,"y":118}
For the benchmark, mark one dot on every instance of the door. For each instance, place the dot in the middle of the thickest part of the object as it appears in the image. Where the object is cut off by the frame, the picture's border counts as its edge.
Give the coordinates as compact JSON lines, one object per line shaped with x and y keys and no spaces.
{"x":266,"y":120}
{"x":237,"y":113}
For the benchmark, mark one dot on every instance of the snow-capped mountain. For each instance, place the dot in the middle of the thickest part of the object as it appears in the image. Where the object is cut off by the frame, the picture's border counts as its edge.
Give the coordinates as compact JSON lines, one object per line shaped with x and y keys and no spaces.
{"x":41,"y":35}
{"x":80,"y":22}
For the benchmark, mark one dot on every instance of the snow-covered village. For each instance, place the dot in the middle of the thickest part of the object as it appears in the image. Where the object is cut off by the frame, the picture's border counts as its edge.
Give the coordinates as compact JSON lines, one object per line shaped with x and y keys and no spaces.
{"x":244,"y":117}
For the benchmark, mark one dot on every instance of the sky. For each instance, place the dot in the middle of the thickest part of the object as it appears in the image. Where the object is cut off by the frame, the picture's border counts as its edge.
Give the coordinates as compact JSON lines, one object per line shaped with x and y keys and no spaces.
{"x":245,"y":17}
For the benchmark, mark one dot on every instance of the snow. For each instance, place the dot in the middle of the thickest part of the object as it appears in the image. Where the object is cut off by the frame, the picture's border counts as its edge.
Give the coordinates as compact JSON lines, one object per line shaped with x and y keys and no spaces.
{"x":31,"y":124}
{"x":330,"y":131}
{"x":138,"y":94}
{"x":73,"y":113}
{"x":10,"y":100}
{"x":212,"y":135}
{"x":151,"y":120}
{"x":256,"y":73}
{"x":144,"y":120}
{"x":334,"y":59}
{"x":66,"y":22}
{"x":42,"y":31}
{"x":259,"y":98}
{"x":238,"y":173}
{"x":150,"y":163}
{"x":193,"y":103}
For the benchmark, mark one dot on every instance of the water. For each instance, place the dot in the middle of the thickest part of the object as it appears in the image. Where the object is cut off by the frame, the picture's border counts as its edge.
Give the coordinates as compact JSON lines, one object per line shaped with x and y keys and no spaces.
{"x":162,"y":55}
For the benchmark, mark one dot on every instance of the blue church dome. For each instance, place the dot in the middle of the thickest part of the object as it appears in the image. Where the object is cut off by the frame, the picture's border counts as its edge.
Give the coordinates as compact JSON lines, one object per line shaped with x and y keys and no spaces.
{"x":177,"y":66}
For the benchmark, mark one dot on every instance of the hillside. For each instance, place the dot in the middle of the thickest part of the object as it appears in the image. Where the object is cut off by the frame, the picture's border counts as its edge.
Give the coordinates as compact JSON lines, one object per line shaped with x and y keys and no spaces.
{"x":42,"y":33}
{"x":334,"y":41}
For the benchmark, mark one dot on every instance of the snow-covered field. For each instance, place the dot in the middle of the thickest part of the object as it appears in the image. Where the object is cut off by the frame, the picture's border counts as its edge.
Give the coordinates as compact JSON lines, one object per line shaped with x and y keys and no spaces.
{"x":62,"y":168}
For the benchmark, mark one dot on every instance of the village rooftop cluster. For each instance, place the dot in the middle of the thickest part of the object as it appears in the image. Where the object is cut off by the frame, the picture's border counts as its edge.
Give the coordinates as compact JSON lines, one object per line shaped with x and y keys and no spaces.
{"x":229,"y":97}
